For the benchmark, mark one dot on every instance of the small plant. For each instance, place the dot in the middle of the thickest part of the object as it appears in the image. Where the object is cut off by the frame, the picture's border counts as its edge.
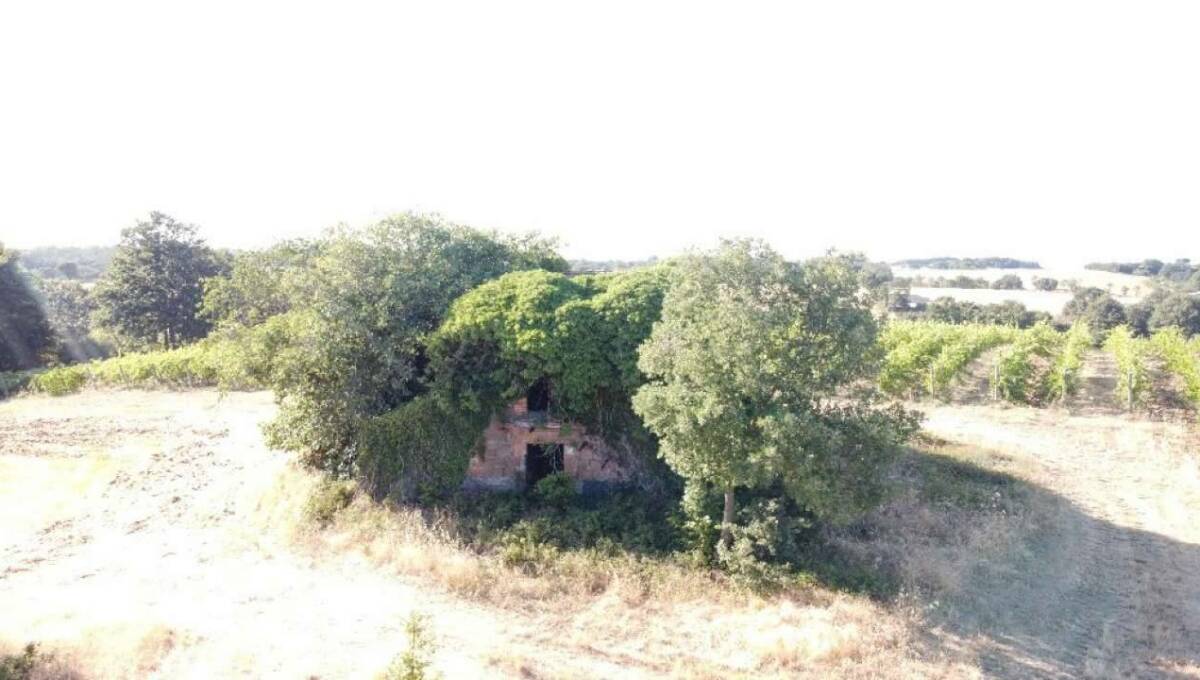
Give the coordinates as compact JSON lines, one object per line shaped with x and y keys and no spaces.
{"x":556,"y":490}
{"x":415,"y":662}
{"x":327,"y":500}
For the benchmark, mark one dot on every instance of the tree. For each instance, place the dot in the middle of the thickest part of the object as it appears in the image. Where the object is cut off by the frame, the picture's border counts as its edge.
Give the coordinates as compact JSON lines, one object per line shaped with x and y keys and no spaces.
{"x":1047,"y":284}
{"x":1097,"y":308}
{"x":152,"y":290}
{"x":742,"y":370}
{"x":26,"y":339}
{"x":260,"y":284}
{"x":359,"y":349}
{"x":1178,"y":310}
{"x":1008,"y":282}
{"x":69,"y":309}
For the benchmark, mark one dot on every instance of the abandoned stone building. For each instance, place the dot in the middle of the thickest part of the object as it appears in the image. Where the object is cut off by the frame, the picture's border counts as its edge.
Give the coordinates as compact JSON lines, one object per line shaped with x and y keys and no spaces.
{"x":524,"y":444}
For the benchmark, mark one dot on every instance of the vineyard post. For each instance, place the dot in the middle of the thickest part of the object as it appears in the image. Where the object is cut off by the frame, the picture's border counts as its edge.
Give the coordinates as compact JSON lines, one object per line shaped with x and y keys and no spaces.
{"x":1129,"y":383}
{"x":996,"y":382}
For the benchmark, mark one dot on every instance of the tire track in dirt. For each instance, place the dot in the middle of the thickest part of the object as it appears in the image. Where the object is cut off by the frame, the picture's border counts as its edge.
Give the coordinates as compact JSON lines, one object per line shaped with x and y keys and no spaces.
{"x":1110,"y":587}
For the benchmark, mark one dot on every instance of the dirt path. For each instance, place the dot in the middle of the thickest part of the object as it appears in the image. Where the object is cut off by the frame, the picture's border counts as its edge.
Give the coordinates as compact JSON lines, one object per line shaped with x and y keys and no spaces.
{"x":1110,"y":587}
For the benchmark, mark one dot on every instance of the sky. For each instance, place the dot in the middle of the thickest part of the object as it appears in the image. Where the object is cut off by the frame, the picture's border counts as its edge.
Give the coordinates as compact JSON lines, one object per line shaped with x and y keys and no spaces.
{"x":1052,"y":130}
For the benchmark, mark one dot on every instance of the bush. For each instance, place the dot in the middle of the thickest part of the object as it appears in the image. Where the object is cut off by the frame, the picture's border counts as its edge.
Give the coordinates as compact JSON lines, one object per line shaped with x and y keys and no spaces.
{"x":1008,"y":282}
{"x":327,"y":500}
{"x":556,"y":490}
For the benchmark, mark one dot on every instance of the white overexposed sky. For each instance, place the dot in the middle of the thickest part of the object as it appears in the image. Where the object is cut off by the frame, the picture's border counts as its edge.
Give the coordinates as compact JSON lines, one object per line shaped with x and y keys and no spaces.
{"x":1062,"y":131}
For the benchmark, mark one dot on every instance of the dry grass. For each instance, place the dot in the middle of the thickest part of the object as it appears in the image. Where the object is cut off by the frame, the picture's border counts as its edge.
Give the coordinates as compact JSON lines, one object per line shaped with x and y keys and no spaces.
{"x":657,"y":616}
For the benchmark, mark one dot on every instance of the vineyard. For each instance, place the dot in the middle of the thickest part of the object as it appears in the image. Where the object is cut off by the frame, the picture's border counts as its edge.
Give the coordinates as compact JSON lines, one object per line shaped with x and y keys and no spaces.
{"x":1035,"y":366}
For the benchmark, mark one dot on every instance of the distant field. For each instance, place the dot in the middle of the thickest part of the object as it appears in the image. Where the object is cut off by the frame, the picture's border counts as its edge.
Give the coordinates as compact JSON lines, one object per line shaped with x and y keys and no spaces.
{"x":1126,"y":288}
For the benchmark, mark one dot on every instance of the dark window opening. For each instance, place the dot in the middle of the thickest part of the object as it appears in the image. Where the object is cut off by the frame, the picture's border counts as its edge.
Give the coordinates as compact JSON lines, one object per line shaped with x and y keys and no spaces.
{"x":538,"y":397}
{"x":542,"y":460}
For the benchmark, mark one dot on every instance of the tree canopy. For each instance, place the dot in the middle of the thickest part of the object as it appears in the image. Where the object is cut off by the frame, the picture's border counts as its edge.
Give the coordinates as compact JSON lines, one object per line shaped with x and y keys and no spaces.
{"x":26,"y":338}
{"x":743,"y":369}
{"x":152,"y":290}
{"x":358,"y":349}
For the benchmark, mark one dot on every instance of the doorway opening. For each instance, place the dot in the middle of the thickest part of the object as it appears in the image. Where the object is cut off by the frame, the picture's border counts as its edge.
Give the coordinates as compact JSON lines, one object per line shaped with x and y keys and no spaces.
{"x":537,"y":400}
{"x":541,"y":461}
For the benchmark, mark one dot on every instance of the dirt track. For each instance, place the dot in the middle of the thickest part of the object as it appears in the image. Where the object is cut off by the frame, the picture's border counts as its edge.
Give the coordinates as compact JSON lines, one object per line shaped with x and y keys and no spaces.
{"x":1111,"y":587}
{"x":146,"y":532}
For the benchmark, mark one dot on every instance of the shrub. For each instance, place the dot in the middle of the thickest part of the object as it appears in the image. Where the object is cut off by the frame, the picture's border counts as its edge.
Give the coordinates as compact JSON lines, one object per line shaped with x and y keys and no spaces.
{"x":415,"y":662}
{"x":556,"y":490}
{"x":329,"y":498}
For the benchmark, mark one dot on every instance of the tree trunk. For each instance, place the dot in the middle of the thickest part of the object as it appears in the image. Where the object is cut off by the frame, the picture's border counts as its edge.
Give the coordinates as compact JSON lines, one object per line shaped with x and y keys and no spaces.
{"x":727,"y":519}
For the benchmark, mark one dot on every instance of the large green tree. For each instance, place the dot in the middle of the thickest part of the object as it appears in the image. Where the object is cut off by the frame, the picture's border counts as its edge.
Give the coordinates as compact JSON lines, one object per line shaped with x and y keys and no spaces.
{"x":745,"y":367}
{"x":260,"y":284}
{"x":152,"y":290}
{"x":359,"y":348}
{"x":26,"y":338}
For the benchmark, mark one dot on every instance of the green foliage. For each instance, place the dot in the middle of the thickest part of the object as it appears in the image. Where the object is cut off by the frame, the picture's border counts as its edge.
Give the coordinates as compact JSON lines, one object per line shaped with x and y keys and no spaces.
{"x":556,"y":490}
{"x":1023,"y":368}
{"x":742,"y":366}
{"x":948,"y":310}
{"x":150,"y":294}
{"x":1045,"y":283}
{"x":580,"y":334}
{"x":529,"y":531}
{"x":1181,"y":358}
{"x":765,"y":541}
{"x":12,"y":382}
{"x":924,"y":356}
{"x":415,"y":662}
{"x":1096,"y":308}
{"x":358,"y":350}
{"x":69,"y":308}
{"x":1133,"y":379}
{"x":210,"y":362}
{"x":1062,"y":380}
{"x":419,"y":450}
{"x":260,"y":284}
{"x":26,"y":338}
{"x":1177,"y":310}
{"x":329,"y":498}
{"x":1008,"y":282}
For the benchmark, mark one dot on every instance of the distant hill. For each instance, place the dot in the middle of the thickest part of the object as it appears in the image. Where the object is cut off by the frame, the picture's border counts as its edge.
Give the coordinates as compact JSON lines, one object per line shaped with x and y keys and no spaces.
{"x":967,"y":263}
{"x":77,"y":263}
